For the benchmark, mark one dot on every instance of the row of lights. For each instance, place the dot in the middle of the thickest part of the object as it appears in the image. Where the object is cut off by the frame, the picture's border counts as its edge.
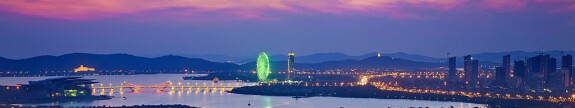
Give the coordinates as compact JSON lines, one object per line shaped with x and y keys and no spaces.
{"x":395,"y":87}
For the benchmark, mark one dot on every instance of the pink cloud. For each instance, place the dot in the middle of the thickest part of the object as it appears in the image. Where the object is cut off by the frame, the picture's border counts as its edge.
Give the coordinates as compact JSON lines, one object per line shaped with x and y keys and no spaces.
{"x":249,"y":9}
{"x":436,"y":4}
{"x":95,"y":9}
{"x":505,"y":5}
{"x":562,"y":6}
{"x":564,"y":9}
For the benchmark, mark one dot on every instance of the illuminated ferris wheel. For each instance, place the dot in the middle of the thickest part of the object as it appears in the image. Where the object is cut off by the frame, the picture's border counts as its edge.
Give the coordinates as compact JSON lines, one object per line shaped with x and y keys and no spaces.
{"x":263,"y":66}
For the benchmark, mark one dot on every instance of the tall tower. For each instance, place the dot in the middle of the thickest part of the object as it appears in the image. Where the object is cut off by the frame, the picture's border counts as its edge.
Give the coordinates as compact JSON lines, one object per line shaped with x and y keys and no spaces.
{"x":542,"y":67}
{"x":451,"y":75}
{"x":552,"y":74}
{"x":567,"y":63}
{"x":507,"y":65}
{"x":500,"y":76}
{"x":290,"y":64}
{"x":519,"y":72}
{"x":507,"y":69}
{"x":467,"y":68}
{"x":567,"y":69}
{"x":474,"y":70}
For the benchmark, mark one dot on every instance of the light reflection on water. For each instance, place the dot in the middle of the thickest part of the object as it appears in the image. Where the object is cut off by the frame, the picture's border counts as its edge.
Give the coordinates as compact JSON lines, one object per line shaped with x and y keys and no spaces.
{"x":267,"y":102}
{"x":219,"y":99}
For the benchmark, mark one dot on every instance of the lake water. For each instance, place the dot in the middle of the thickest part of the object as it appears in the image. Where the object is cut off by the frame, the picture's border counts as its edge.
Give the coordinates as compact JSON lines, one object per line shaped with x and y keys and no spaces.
{"x":219,"y":99}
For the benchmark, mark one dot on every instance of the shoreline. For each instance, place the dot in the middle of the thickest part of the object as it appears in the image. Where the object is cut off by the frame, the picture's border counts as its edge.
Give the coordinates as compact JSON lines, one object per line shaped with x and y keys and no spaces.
{"x":45,"y":100}
{"x":104,"y":106}
{"x":373,"y":92}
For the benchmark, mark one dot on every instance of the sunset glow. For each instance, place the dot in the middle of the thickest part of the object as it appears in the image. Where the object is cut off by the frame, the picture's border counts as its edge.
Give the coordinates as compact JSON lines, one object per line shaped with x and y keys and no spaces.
{"x":263,"y":9}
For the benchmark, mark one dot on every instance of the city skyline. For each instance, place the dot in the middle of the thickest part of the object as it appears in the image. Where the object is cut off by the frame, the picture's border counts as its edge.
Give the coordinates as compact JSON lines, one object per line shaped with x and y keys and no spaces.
{"x":287,"y":53}
{"x":241,"y":28}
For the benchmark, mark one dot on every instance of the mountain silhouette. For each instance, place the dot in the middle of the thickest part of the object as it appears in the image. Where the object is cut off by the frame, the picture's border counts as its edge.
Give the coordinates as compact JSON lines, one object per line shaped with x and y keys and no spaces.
{"x":113,"y":62}
{"x":367,"y":63}
{"x":319,"y":61}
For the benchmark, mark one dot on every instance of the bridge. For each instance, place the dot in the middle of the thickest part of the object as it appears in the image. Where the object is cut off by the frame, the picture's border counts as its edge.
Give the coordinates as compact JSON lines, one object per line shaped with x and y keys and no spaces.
{"x":134,"y":87}
{"x":163,"y":86}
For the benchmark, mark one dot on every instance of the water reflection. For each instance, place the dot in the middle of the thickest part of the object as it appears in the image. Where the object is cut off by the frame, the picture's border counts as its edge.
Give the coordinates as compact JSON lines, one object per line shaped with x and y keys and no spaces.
{"x":218,"y":98}
{"x":267,"y":102}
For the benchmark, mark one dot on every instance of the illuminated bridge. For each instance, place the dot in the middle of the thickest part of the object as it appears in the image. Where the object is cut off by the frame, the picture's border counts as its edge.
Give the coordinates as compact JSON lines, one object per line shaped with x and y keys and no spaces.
{"x":171,"y":87}
{"x":134,"y":87}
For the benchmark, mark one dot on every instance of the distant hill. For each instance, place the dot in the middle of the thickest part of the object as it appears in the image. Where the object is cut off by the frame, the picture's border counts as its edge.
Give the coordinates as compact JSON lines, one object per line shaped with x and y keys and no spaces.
{"x":218,"y":58}
{"x":114,"y":62}
{"x":171,"y":63}
{"x":324,"y":57}
{"x":3,"y":59}
{"x":313,"y":58}
{"x":367,"y":63}
{"x":497,"y":57}
{"x":320,"y":61}
{"x":488,"y":58}
{"x":374,"y":63}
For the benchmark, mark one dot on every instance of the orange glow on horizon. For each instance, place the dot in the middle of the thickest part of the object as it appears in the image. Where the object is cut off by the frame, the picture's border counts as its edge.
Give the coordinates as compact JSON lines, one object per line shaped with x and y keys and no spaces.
{"x":82,"y":69}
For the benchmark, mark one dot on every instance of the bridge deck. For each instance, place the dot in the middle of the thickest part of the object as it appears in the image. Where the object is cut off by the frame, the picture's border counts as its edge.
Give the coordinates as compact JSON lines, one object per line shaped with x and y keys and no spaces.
{"x":110,"y":87}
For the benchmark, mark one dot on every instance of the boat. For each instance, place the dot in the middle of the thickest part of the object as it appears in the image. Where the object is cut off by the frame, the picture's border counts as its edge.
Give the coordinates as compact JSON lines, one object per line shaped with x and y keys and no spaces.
{"x":188,"y":77}
{"x":216,"y":80}
{"x":297,"y":97}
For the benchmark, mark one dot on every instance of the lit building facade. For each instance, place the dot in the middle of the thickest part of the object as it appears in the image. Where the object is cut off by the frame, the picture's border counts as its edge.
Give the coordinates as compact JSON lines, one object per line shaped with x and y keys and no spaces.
{"x":467,"y":68}
{"x":83,"y":69}
{"x":507,"y":65}
{"x":290,"y":65}
{"x":474,"y":70}
{"x":542,"y":68}
{"x":567,"y":69}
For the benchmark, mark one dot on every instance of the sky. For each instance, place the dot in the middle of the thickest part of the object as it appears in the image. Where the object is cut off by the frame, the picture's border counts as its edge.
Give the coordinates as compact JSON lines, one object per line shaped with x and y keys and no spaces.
{"x":154,"y":28}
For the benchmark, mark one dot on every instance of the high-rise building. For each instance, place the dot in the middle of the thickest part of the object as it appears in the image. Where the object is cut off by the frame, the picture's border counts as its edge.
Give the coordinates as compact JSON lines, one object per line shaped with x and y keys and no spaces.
{"x":552,"y":66}
{"x":500,"y":76}
{"x":290,"y":65}
{"x":507,"y":65}
{"x":452,"y":65}
{"x":474,"y":69}
{"x":519,"y":71}
{"x":543,"y":68}
{"x":534,"y":72}
{"x":531,"y":66}
{"x":552,"y":74}
{"x":566,"y":78}
{"x":567,"y":63}
{"x":567,"y":69}
{"x":467,"y":68}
